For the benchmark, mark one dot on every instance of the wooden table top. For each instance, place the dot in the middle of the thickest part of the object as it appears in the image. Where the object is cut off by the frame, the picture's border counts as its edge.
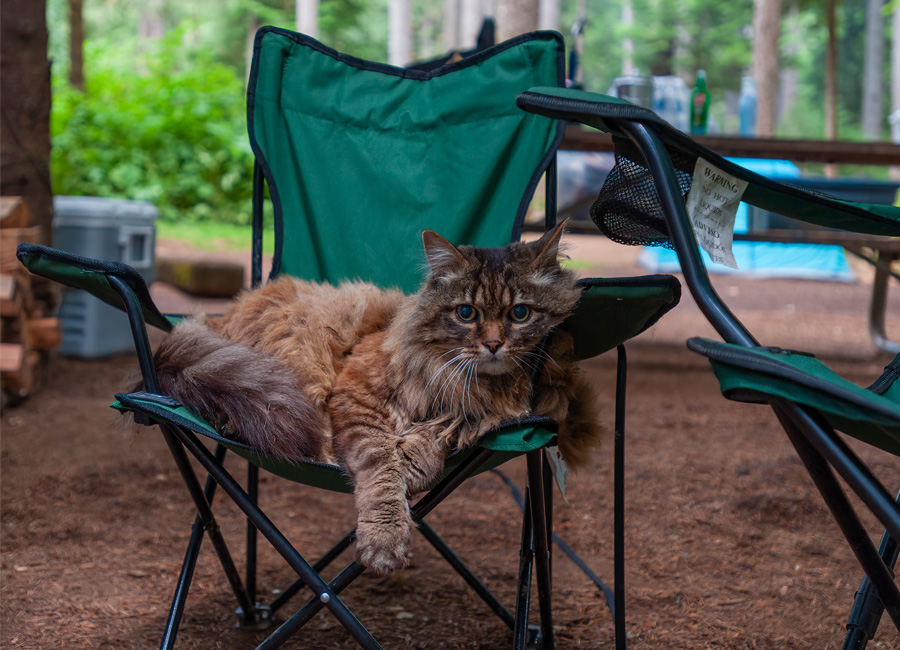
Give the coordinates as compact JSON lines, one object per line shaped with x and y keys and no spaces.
{"x":822,"y":151}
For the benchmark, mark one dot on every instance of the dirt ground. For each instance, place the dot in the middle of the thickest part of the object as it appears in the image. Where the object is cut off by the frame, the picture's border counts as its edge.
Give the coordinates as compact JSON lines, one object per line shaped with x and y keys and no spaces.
{"x":728,"y":545}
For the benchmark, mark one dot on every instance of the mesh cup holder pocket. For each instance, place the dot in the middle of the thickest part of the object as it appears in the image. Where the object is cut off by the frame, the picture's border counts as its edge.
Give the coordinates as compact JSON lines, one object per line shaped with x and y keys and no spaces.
{"x":627,"y":210}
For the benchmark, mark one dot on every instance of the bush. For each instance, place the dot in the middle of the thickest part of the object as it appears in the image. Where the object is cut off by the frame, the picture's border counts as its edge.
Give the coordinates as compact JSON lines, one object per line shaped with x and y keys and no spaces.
{"x":168,"y":131}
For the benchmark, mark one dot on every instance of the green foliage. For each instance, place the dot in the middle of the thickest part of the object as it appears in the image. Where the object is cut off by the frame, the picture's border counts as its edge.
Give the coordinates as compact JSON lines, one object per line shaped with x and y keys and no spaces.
{"x":160,"y":127}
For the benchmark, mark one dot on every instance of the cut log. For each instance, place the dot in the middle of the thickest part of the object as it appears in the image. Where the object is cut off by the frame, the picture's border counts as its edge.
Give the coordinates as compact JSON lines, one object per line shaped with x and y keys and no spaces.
{"x":211,"y":278}
{"x":11,"y":357}
{"x":13,"y":212}
{"x":11,"y":297}
{"x":21,"y":382}
{"x":43,"y":333}
{"x":12,"y":237}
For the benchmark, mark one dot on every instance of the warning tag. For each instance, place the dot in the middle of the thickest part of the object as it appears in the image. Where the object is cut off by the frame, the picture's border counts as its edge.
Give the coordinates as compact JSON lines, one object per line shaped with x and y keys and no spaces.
{"x":712,"y":205}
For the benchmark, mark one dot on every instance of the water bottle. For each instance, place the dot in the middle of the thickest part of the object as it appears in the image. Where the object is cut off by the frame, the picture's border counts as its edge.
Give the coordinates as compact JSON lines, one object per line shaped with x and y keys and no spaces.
{"x":699,"y":105}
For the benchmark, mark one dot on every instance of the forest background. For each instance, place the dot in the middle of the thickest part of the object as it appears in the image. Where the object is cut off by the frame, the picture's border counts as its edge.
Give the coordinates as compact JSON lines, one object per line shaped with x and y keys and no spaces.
{"x":148,"y":95}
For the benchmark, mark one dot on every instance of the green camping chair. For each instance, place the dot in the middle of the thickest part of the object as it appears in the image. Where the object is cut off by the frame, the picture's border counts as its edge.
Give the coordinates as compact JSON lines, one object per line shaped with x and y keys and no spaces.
{"x":359,"y":158}
{"x":644,"y":202}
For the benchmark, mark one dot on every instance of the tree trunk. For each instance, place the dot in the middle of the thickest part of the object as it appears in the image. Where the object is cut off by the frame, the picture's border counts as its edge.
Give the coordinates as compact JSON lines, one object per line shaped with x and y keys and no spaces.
{"x":831,"y":127}
{"x":515,"y":17}
{"x":766,"y":25}
{"x":471,"y":16}
{"x":400,"y":32}
{"x":25,"y":123}
{"x":76,"y":44}
{"x":150,"y":21}
{"x":450,"y":33}
{"x":627,"y":43}
{"x":831,"y":130}
{"x":307,"y":17}
{"x":873,"y":64}
{"x":895,"y":60}
{"x":252,"y":28}
{"x":548,"y":15}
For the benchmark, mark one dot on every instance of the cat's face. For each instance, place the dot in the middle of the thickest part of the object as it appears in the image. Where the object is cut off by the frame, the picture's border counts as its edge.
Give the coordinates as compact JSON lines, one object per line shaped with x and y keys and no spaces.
{"x":485,"y":310}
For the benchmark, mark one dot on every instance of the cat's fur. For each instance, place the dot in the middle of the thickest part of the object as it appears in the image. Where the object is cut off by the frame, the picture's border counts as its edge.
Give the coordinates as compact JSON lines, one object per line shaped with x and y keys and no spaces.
{"x":387,"y":384}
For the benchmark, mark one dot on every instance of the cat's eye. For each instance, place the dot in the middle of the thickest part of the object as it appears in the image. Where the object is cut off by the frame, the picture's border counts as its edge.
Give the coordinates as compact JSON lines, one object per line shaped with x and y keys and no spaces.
{"x":520,"y":313}
{"x":466,"y":313}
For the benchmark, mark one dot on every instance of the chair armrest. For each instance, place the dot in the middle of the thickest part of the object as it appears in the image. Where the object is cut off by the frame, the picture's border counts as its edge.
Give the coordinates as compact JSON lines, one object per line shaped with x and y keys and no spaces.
{"x":613,"y":310}
{"x":92,"y":276}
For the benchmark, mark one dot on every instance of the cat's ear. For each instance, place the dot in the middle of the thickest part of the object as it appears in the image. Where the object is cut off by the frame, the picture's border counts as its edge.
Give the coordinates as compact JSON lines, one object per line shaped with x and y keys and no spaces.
{"x":442,"y":256}
{"x":548,"y":246}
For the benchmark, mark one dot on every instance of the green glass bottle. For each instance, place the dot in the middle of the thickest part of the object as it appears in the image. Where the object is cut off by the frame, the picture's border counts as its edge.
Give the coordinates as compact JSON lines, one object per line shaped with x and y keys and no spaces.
{"x":699,"y":105}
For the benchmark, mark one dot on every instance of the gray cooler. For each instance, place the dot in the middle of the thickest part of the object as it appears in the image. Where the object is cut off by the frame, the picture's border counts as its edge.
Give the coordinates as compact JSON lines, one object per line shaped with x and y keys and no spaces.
{"x":114,"y":230}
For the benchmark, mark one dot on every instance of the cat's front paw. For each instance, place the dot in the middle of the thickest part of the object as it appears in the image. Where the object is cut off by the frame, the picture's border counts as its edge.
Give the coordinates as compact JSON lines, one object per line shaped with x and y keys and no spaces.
{"x":381,"y":547}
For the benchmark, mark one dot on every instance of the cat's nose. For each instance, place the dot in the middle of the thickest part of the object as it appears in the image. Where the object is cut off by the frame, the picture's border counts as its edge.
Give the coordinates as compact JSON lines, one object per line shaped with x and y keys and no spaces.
{"x":493,"y":345}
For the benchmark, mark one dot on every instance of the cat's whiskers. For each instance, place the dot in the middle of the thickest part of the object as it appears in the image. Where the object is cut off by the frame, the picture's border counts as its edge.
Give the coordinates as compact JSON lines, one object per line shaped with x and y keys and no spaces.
{"x":453,"y":375}
{"x":540,"y":356}
{"x":441,"y":369}
{"x":519,"y":365}
{"x":472,"y":371}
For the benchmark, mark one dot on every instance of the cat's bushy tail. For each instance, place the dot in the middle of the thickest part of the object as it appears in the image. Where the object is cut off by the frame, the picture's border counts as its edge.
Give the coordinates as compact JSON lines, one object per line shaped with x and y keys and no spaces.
{"x":247,"y":394}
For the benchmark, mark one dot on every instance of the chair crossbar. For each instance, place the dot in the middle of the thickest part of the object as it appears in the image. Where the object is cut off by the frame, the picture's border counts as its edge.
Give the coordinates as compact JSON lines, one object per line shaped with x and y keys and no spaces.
{"x":466,"y":573}
{"x":284,"y":548}
{"x":318,"y":567}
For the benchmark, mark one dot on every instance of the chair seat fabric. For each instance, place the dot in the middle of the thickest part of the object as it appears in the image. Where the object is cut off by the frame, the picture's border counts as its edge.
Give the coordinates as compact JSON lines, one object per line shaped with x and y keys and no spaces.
{"x":510,"y":440}
{"x":761,"y":374}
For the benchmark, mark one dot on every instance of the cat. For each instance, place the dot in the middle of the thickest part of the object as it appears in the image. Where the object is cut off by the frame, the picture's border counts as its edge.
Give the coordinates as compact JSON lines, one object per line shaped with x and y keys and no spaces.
{"x":386,"y":384}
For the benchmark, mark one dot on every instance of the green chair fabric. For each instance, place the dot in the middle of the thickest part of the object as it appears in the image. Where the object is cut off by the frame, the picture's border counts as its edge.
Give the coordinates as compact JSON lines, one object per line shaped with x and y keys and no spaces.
{"x":361,"y":157}
{"x":762,"y":374}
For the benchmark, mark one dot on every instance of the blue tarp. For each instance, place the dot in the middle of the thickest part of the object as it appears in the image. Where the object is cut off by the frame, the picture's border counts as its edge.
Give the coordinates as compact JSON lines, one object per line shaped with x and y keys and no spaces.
{"x":764,"y":259}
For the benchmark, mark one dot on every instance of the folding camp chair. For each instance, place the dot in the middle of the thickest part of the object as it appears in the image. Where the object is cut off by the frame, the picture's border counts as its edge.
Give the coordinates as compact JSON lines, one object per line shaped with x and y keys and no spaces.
{"x":359,"y":158}
{"x":644,"y":202}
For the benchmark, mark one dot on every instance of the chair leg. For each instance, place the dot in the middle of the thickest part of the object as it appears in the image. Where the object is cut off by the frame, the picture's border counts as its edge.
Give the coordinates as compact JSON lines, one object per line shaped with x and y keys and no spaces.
{"x":335,"y":605}
{"x":867,"y":608}
{"x":526,"y":564}
{"x":205,"y":514}
{"x":534,"y":461}
{"x":619,"y":504}
{"x":845,"y":517}
{"x":877,"y":307}
{"x":252,"y":535}
{"x":190,"y":562}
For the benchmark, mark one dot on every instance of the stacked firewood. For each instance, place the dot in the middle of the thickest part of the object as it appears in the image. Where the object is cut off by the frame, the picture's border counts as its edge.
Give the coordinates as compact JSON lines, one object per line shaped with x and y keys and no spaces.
{"x":28,"y":332}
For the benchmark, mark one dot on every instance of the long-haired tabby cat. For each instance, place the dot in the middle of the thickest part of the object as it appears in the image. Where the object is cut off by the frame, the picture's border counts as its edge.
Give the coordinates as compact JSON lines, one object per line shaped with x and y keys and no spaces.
{"x":387,"y":384}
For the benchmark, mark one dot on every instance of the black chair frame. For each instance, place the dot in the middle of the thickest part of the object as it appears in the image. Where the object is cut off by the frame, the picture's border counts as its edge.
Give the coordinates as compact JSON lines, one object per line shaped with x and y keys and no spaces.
{"x":817,"y":444}
{"x":537,"y":530}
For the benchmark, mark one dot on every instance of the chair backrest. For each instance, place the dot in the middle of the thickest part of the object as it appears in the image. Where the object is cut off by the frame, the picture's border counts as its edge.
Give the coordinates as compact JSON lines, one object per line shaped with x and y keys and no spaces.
{"x":360,"y":157}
